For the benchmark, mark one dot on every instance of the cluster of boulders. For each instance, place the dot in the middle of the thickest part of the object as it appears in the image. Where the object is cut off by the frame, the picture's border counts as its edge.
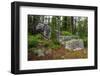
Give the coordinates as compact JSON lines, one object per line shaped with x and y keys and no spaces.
{"x":44,"y":29}
{"x":72,"y":42}
{"x":41,"y":52}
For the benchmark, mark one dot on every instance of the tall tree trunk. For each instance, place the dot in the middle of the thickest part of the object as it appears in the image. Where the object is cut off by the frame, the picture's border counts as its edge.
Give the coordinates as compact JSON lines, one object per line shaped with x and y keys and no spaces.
{"x":72,"y":25}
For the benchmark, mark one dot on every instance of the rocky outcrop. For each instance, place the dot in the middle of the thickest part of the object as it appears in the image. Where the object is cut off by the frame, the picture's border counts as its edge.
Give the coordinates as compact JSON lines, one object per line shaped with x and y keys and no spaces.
{"x":75,"y":44}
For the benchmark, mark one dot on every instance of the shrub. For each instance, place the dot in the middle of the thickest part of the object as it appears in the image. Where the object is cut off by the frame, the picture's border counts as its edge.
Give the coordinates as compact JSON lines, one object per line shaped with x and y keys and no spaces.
{"x":54,"y":45}
{"x":56,"y":42}
{"x":38,"y":36}
{"x":32,"y":41}
{"x":46,"y":44}
{"x":65,"y":33}
{"x":85,"y":40}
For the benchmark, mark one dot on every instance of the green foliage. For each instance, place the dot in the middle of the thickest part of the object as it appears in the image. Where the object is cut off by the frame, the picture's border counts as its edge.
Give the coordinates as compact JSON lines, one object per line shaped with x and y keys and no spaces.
{"x":53,"y":27}
{"x":54,"y":46}
{"x":82,"y":28}
{"x":85,"y":40}
{"x":65,"y":33}
{"x":38,"y":36}
{"x":51,"y":44}
{"x":33,"y":20}
{"x":46,"y":43}
{"x":56,"y":42}
{"x":64,"y":25}
{"x":32,"y":41}
{"x":67,"y":24}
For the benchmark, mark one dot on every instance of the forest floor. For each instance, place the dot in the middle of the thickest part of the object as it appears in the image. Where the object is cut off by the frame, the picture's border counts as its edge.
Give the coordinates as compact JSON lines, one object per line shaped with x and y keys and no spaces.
{"x":60,"y":53}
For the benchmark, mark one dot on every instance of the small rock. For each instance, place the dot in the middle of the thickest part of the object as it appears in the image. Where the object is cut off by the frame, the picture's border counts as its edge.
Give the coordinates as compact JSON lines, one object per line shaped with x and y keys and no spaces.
{"x":62,"y":57}
{"x":39,"y":52}
{"x":77,"y":49}
{"x":48,"y":52}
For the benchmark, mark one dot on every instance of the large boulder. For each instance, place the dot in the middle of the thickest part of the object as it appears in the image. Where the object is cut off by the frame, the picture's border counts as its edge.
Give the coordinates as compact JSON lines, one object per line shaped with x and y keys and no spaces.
{"x":63,"y":39}
{"x":44,"y":29}
{"x":74,"y":44}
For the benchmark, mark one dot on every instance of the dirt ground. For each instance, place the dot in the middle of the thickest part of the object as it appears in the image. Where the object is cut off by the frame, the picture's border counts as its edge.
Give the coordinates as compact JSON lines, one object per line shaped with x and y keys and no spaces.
{"x":60,"y":53}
